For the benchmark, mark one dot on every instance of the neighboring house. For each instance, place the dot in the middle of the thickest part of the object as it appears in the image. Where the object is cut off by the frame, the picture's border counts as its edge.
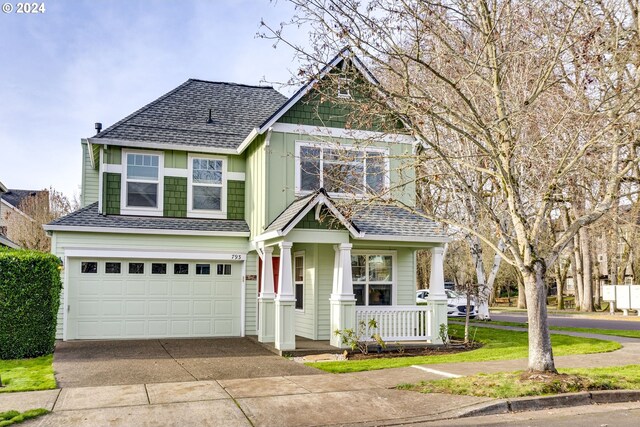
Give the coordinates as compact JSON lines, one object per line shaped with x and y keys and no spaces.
{"x":210,"y":212}
{"x":10,"y":204}
{"x":4,"y":241}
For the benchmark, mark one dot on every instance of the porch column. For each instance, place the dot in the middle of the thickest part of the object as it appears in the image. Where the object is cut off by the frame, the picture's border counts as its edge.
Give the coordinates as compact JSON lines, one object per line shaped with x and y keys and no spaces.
{"x":285,"y":338}
{"x":342,"y":300}
{"x":437,"y":296}
{"x":267,"y":317}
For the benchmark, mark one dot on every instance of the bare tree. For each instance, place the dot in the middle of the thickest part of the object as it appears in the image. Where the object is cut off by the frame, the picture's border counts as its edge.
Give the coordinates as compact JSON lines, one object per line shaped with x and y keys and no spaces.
{"x":43,"y":207}
{"x":520,"y":100}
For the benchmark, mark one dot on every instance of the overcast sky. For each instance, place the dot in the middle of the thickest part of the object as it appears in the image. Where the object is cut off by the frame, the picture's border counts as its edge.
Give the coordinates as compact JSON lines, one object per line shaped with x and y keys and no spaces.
{"x":82,"y":62}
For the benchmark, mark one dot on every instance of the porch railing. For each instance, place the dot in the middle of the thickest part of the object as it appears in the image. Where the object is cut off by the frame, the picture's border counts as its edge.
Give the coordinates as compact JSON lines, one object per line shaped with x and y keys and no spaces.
{"x":400,"y":322}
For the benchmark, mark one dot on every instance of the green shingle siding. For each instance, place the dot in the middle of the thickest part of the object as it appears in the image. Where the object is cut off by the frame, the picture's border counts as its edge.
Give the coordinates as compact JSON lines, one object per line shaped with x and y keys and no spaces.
{"x":326,"y":222}
{"x":175,"y":197}
{"x":235,"y":199}
{"x":112,"y":193}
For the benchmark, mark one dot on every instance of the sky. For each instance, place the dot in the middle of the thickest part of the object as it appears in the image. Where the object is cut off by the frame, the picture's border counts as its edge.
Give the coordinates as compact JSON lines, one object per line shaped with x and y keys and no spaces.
{"x":82,"y":62}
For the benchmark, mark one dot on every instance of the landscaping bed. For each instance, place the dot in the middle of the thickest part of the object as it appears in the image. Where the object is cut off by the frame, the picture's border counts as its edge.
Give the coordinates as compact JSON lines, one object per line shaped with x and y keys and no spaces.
{"x":454,"y":347}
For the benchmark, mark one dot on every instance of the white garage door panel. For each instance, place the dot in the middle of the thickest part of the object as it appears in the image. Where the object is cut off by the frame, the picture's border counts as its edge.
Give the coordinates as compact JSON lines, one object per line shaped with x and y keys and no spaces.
{"x":151,"y":305}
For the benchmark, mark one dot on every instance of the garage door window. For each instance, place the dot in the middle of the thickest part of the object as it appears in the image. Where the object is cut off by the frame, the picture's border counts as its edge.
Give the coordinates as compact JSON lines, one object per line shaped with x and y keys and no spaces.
{"x":158,"y":268}
{"x":136,"y":268}
{"x":89,"y":267}
{"x":180,"y":268}
{"x":112,"y":267}
{"x":223,"y":269}
{"x":203,"y":269}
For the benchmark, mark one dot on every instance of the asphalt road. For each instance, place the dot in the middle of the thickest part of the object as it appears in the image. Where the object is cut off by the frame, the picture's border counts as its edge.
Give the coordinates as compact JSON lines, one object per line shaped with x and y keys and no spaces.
{"x":574,"y":321}
{"x":614,"y":415}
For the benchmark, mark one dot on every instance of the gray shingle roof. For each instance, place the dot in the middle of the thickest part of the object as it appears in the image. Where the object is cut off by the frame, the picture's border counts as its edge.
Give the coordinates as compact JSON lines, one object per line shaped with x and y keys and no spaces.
{"x":89,"y":217}
{"x":281,"y":222}
{"x":375,"y":219}
{"x":15,"y":197}
{"x":386,"y":220}
{"x":180,"y":116}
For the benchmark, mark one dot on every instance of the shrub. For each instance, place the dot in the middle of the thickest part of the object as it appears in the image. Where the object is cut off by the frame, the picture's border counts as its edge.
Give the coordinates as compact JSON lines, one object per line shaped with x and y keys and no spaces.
{"x":29,"y":299}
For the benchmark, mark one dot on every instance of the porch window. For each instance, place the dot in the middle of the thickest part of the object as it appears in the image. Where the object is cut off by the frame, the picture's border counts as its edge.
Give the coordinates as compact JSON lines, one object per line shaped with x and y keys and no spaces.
{"x":341,"y":171}
{"x":206,"y":187}
{"x":298,"y":280}
{"x":142,"y":180}
{"x":372,"y":277}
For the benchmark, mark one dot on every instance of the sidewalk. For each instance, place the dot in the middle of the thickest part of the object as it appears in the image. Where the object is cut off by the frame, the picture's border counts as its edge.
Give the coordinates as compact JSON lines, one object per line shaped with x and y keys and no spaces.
{"x":302,"y":400}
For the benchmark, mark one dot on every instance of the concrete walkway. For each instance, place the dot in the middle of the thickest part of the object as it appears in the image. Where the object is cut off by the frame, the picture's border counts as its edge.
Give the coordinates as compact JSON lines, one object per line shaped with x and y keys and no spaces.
{"x":298,"y":400}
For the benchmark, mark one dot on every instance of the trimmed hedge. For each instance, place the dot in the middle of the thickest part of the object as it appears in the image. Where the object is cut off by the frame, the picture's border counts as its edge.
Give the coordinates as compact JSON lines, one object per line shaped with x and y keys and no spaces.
{"x":29,"y":299}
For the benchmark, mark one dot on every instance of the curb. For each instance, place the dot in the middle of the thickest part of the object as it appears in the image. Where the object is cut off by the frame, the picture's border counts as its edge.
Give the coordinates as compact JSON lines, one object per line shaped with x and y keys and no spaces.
{"x":522,"y":404}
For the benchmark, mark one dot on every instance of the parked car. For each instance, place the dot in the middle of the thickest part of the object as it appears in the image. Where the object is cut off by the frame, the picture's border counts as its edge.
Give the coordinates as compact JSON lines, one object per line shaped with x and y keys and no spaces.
{"x":456,"y":303}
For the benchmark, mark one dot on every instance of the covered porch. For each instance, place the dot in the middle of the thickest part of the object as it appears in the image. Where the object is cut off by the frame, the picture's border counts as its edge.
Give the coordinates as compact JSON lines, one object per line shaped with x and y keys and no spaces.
{"x":331,"y":278}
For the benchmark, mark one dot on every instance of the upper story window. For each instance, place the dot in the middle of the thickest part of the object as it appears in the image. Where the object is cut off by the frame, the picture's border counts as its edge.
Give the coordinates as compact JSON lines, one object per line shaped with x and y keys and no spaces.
{"x":206,"y":190}
{"x":340,"y":170}
{"x":142,"y":177}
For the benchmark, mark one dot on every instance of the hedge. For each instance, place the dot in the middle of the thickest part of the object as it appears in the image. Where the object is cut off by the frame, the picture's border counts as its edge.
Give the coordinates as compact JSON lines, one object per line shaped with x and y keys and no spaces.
{"x":29,"y":299}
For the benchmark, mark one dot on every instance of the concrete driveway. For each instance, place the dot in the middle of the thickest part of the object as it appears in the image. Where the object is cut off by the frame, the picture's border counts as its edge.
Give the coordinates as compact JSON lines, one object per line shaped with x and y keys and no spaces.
{"x":101,"y":363}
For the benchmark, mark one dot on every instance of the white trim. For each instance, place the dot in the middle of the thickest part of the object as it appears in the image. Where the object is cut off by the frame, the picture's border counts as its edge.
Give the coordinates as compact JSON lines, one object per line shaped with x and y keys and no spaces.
{"x":101,"y":181}
{"x":237,"y":256}
{"x":268,"y":236}
{"x":332,"y":132}
{"x":299,"y":254}
{"x":394,"y":273}
{"x":204,"y":213}
{"x":236,"y":176}
{"x":322,"y":146}
{"x":137,"y":210}
{"x":176,"y":172}
{"x":243,"y":296}
{"x":109,"y":168}
{"x":162,"y":146}
{"x":146,"y":231}
{"x":65,"y":298}
{"x":248,"y":140}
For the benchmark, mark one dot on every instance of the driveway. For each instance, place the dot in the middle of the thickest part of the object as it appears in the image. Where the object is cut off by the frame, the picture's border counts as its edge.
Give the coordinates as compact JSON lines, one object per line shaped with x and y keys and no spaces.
{"x":100,"y":363}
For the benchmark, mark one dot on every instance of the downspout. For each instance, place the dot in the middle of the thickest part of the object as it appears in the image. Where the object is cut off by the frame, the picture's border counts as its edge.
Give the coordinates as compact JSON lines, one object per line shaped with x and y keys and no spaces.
{"x":267,"y":141}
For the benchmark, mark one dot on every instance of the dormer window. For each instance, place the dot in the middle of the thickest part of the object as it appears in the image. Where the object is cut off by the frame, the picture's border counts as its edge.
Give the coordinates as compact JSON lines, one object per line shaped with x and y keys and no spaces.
{"x":343,"y":88}
{"x":141,"y":189}
{"x":341,"y":171}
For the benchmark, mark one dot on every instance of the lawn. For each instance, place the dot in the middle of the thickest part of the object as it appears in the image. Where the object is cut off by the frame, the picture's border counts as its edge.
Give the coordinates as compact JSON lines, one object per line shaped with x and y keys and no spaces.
{"x":27,"y":374}
{"x":610,"y":332}
{"x":519,"y":384}
{"x":14,"y":417}
{"x":497,"y":345}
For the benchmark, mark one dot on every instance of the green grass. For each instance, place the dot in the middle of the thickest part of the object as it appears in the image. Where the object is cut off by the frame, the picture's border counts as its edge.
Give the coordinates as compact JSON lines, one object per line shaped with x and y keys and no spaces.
{"x":514,"y":384}
{"x":14,"y":417}
{"x":27,"y":374}
{"x":610,"y":332}
{"x":497,"y":345}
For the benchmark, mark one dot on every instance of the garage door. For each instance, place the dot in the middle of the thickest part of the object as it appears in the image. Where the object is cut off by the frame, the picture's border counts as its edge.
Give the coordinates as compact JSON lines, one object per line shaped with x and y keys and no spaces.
{"x":153,"y":298}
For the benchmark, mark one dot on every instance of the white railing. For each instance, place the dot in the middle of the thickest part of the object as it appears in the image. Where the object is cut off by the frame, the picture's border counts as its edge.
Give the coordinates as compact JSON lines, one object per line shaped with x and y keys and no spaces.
{"x":400,"y":322}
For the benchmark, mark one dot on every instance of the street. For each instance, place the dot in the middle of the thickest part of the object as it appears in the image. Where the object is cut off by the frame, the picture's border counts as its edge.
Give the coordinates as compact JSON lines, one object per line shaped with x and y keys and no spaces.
{"x":612,"y":415}
{"x":578,"y":321}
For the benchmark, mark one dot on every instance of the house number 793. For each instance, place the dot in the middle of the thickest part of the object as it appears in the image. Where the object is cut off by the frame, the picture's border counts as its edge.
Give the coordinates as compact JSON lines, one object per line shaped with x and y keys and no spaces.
{"x":236,"y":256}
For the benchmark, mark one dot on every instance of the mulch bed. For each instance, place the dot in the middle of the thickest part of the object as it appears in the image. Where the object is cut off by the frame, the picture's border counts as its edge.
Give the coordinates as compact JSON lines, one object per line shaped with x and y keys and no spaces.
{"x":394,"y":351}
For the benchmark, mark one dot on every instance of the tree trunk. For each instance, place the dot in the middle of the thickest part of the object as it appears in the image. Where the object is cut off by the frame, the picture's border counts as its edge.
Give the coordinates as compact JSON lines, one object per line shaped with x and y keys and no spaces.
{"x":587,"y":282}
{"x":522,"y":299}
{"x":559,"y":287}
{"x":577,"y":278}
{"x":483,"y":291}
{"x":540,"y":352}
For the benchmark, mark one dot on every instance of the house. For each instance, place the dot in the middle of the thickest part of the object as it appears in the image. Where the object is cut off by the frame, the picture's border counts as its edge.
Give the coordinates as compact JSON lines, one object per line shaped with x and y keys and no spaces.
{"x":212,"y":212}
{"x":11,"y":203}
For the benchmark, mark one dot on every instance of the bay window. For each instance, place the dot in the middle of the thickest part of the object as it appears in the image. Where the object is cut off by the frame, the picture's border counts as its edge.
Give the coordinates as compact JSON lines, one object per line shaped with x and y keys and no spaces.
{"x":340,"y":170}
{"x":372,"y":276}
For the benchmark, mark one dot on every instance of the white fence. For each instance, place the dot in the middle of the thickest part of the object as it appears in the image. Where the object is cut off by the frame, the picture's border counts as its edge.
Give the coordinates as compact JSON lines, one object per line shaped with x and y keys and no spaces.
{"x":400,"y":322}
